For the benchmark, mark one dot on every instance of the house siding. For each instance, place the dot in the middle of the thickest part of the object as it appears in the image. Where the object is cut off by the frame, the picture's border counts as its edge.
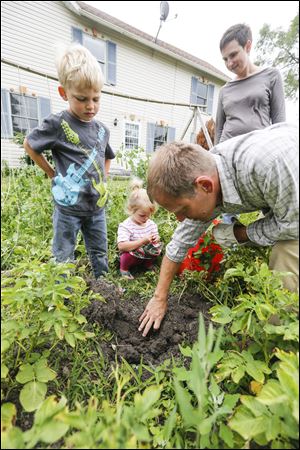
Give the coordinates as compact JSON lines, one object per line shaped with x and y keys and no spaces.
{"x":30,"y":31}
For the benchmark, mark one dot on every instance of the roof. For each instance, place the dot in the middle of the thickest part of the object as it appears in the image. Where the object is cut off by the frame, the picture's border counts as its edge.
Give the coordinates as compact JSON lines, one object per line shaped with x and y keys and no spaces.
{"x":81,"y":8}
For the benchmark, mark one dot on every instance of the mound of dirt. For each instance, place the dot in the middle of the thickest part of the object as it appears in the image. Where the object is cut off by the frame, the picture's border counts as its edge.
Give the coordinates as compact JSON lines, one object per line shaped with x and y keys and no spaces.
{"x":180,"y":325}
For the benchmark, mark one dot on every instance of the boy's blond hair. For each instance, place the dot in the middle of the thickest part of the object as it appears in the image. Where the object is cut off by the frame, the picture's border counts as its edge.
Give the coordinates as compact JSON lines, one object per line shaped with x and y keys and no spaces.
{"x":77,"y":67}
{"x":138,"y":198}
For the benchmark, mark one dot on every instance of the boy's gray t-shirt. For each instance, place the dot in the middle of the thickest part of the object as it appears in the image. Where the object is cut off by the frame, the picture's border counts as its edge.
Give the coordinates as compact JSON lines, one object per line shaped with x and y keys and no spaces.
{"x":79,"y":151}
{"x":250,"y":104}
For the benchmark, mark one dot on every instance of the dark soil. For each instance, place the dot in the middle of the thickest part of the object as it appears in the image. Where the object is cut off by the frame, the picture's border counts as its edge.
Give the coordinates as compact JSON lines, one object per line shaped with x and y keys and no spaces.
{"x":119,"y":315}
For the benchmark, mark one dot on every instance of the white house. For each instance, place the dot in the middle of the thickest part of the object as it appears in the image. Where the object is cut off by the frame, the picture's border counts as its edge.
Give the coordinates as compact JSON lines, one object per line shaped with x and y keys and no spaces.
{"x":149,"y":86}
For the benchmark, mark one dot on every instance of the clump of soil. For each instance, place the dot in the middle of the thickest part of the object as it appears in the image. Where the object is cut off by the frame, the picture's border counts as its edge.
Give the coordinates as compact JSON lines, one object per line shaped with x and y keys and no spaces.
{"x":119,"y":315}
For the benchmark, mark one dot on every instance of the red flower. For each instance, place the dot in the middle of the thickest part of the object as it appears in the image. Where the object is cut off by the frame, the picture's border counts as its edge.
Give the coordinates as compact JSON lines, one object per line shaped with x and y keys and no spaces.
{"x":206,"y":255}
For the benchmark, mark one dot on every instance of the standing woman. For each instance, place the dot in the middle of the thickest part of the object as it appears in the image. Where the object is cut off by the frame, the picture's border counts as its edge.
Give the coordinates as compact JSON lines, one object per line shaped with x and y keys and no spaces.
{"x":254,"y":99}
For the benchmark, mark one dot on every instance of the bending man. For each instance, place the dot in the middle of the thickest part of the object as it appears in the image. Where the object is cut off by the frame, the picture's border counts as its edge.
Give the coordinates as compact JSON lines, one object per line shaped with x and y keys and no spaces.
{"x":254,"y":171}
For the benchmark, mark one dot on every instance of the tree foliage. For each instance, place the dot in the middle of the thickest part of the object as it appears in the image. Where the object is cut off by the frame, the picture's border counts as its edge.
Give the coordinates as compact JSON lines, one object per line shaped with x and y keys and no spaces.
{"x":280,"y":49}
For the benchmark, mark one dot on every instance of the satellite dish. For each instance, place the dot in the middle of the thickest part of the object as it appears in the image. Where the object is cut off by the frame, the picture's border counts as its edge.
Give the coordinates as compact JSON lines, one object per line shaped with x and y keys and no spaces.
{"x":164,"y":10}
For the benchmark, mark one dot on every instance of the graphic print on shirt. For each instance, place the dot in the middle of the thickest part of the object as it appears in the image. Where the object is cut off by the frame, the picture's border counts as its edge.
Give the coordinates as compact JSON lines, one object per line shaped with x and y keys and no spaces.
{"x":66,"y":188}
{"x":101,"y":186}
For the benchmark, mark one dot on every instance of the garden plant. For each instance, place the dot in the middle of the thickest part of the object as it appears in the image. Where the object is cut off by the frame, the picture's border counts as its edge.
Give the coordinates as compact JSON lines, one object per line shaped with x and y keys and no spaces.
{"x":222,"y":371}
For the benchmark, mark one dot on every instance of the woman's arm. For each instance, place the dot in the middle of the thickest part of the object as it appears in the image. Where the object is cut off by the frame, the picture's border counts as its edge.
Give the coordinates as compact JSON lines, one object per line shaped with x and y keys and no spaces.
{"x":220,"y":120}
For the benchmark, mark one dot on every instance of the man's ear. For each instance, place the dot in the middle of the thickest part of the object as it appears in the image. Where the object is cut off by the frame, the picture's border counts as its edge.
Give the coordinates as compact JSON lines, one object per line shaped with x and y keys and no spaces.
{"x":248,"y":46}
{"x":205,"y":183}
{"x":62,"y":93}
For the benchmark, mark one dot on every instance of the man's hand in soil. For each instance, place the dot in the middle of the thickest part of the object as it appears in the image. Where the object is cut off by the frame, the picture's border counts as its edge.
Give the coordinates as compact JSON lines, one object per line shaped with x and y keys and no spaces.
{"x":157,"y":306}
{"x":153,"y":315}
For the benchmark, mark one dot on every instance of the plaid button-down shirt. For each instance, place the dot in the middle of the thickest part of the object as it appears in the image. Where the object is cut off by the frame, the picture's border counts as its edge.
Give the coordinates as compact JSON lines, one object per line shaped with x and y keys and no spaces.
{"x":257,"y":170}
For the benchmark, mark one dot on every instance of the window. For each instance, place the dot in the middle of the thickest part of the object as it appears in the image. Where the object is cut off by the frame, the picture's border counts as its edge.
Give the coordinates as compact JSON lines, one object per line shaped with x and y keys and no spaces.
{"x":202,"y":94}
{"x":132,"y":135}
{"x":158,"y":135}
{"x":21,"y":113}
{"x":24,"y":113}
{"x":104,"y":51}
{"x":97,"y":48}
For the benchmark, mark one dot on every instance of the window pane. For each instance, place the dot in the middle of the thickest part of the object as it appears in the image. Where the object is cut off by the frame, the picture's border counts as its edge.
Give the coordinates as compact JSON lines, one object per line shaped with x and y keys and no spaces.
{"x":160,"y":136}
{"x":131,"y":135}
{"x":23,"y":125}
{"x":31,"y":107}
{"x":202,"y":90}
{"x":96,"y":47}
{"x":24,"y":106}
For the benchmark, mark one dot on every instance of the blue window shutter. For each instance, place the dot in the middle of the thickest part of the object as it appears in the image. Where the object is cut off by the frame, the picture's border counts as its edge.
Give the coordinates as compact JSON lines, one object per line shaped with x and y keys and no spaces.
{"x":210,"y":98}
{"x":6,"y":123}
{"x":77,"y":35}
{"x":150,"y":137}
{"x":111,"y":63}
{"x":171,"y":134}
{"x":44,"y":108}
{"x":193,"y":98}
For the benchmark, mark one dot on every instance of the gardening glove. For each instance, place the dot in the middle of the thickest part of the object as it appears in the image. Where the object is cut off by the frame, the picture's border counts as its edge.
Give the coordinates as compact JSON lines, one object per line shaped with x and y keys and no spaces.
{"x":224,"y":235}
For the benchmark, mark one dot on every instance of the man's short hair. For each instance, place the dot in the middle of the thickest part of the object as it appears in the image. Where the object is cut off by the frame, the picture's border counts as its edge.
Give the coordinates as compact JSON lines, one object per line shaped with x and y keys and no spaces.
{"x":174,"y":168}
{"x":240,"y":32}
{"x":77,"y":67}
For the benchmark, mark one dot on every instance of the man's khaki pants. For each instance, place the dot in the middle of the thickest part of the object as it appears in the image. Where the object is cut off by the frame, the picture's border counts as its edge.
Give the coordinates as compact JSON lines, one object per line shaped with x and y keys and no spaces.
{"x":285,"y":258}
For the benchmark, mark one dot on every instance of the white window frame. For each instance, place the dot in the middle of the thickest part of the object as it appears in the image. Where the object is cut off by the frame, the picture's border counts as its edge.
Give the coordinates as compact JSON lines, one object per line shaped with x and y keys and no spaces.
{"x":130,"y":122}
{"x":25,"y":116}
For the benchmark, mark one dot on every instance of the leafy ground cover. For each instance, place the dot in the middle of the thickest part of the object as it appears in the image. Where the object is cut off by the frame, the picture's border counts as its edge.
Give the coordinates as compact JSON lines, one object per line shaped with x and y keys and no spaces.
{"x":222,"y":372}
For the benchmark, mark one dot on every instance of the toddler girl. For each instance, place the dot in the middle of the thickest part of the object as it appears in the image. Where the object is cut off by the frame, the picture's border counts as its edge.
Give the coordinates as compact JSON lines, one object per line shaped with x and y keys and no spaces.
{"x":138,"y":238}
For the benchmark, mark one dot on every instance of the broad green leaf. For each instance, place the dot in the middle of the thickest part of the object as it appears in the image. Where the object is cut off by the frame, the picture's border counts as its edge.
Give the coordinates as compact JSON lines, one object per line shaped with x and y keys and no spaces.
{"x":246,"y":425}
{"x":256,"y":408}
{"x":25,"y":374}
{"x":5,"y":344}
{"x":43,"y":372}
{"x":53,"y":431}
{"x":289,"y":379}
{"x":254,"y":372}
{"x":141,"y":432}
{"x":12,"y":439}
{"x":238,"y":373}
{"x":75,"y":420}
{"x":221,"y":314}
{"x":70,"y":338}
{"x":32,"y":395}
{"x":145,"y":401}
{"x":227,"y":435}
{"x":8,"y":415}
{"x":272,"y":393}
{"x":4,"y":371}
{"x":80,"y":335}
{"x":182,"y":374}
{"x":292,"y":332}
{"x":80,"y":318}
{"x":49,"y":408}
{"x":59,"y":330}
{"x":230,"y":400}
{"x":186,"y":351}
{"x":206,"y":424}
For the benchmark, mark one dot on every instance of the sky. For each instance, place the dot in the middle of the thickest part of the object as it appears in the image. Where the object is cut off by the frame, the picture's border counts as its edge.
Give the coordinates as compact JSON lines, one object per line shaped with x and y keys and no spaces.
{"x":198,"y":27}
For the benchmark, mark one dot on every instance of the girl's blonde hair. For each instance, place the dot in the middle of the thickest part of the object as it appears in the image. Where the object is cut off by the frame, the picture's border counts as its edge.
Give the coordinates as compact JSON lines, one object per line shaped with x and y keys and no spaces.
{"x":138,"y":198}
{"x":77,"y":67}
